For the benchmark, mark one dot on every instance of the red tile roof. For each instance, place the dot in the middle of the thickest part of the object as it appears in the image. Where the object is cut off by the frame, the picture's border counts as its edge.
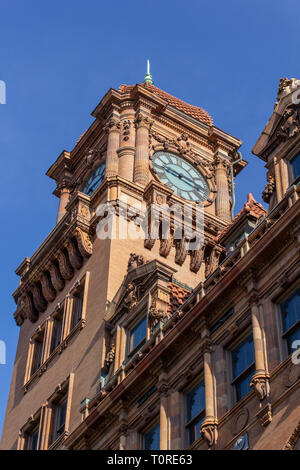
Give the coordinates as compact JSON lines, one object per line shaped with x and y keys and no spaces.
{"x":177,"y":297}
{"x":251,"y":207}
{"x":194,"y":111}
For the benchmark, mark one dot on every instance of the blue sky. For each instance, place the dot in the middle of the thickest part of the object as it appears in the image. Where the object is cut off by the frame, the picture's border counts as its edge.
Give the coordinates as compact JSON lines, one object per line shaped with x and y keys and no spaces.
{"x":59,"y":58}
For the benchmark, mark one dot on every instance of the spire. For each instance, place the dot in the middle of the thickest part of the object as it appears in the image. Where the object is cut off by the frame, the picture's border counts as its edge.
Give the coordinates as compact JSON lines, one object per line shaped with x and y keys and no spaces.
{"x":148,"y":76}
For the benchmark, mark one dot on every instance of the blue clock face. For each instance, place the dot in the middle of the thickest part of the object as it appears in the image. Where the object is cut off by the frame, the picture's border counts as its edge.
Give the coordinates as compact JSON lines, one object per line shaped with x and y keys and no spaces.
{"x":94,"y":180}
{"x":180,"y":176}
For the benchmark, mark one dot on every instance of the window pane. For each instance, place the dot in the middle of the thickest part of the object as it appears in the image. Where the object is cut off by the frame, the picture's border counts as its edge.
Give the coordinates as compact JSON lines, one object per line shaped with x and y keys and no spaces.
{"x":195,"y":401}
{"x":242,"y":357}
{"x":33,"y":440}
{"x":291,"y":310}
{"x":296,"y":165}
{"x":138,"y":333}
{"x":77,"y":310}
{"x":57,"y":329}
{"x":61,"y":418}
{"x":151,"y":439}
{"x":194,"y":430}
{"x":242,"y":387}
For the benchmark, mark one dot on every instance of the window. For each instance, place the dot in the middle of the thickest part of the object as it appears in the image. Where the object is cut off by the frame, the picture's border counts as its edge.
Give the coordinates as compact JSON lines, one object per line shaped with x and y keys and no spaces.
{"x":32,"y":439}
{"x":59,"y":418}
{"x":296,"y":166}
{"x":57,"y":329}
{"x":37,"y":352}
{"x":77,"y":302}
{"x":290,"y":311}
{"x":195,"y":411}
{"x":138,"y":335}
{"x":151,"y":438}
{"x":243,"y":366}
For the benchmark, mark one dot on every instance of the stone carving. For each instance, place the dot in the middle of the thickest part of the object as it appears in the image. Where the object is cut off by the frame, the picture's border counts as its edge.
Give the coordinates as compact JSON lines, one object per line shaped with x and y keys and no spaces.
{"x":156,"y":314}
{"x":74,"y":257}
{"x":165,"y":246}
{"x":135,"y":261}
{"x":130,"y":299}
{"x":29,"y":309}
{"x":91,"y":156}
{"x":293,"y":439}
{"x":240,"y":421}
{"x":143,"y":121}
{"x":126,"y":129}
{"x":113,"y":125}
{"x":213,"y":261}
{"x":291,"y":123}
{"x":259,"y":383}
{"x":56,"y":278}
{"x":181,"y":251}
{"x":209,"y":432}
{"x":269,"y":189}
{"x":39,"y":300}
{"x":85,"y":245}
{"x":149,"y":243}
{"x":180,"y":144}
{"x":65,"y":267}
{"x":196,"y":259}
{"x":48,"y":289}
{"x":286,"y":86}
{"x":265,"y":414}
{"x":110,"y":356}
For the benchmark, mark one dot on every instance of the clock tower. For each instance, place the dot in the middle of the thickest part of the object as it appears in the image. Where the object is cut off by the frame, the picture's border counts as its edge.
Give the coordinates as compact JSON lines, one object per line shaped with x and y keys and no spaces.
{"x":87,"y":303}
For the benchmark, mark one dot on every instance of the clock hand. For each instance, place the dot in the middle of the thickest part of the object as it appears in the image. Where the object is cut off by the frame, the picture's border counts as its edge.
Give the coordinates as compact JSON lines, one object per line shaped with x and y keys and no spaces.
{"x":182,"y":177}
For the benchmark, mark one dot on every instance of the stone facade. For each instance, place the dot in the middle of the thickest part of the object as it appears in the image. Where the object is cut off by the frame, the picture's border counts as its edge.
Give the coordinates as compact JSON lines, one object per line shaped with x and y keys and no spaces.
{"x":198,"y":304}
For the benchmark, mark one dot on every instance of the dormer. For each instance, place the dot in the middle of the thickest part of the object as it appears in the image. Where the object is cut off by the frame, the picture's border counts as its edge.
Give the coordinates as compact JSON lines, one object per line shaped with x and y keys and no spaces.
{"x":279,"y":143}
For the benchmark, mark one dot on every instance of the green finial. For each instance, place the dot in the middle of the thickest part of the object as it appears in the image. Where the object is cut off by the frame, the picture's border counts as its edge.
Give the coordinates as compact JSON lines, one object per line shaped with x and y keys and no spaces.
{"x":148,"y":76}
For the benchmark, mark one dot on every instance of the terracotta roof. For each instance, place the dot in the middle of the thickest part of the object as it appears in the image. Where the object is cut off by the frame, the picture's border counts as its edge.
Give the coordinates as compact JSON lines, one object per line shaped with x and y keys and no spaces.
{"x":177,"y":296}
{"x":194,"y":111}
{"x":251,"y":207}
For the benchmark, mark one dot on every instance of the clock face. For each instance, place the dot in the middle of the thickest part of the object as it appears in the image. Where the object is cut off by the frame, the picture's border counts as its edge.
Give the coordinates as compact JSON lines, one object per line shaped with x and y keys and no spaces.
{"x":94,"y":180}
{"x":180,"y":176}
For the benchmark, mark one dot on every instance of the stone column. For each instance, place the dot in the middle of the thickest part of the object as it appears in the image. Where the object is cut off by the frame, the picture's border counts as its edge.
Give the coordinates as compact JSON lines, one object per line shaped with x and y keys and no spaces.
{"x":112,"y":159}
{"x":127,"y":143}
{"x":223,"y":209}
{"x":260,"y":378}
{"x":63,"y":189}
{"x":141,"y":163}
{"x":175,"y":421}
{"x":163,"y":390}
{"x":209,"y":426}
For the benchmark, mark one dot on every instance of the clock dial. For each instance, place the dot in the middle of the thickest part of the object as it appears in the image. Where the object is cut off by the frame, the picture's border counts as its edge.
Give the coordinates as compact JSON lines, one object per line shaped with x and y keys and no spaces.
{"x":180,"y":176}
{"x":94,"y":180}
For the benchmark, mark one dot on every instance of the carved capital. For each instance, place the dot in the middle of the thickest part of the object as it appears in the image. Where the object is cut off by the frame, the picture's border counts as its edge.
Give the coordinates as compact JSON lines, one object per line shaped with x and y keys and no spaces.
{"x":209,"y":431}
{"x":259,"y":384}
{"x":143,"y":121}
{"x":113,"y":125}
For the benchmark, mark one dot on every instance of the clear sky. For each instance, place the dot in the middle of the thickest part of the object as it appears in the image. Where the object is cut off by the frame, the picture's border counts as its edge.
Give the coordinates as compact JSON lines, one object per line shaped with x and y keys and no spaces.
{"x":59,"y":58}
